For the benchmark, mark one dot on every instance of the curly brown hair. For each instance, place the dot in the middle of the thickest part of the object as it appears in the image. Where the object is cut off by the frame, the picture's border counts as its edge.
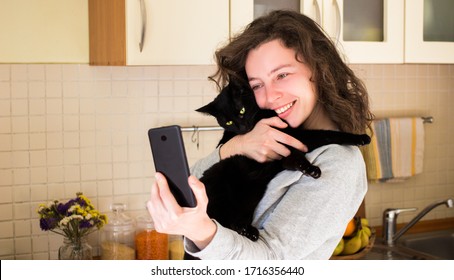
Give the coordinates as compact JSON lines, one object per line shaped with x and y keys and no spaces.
{"x":342,"y":94}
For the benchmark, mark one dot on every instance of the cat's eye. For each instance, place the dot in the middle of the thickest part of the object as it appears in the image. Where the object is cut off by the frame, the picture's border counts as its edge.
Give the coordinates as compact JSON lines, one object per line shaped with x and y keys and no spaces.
{"x":229,"y":123}
{"x":242,"y":111}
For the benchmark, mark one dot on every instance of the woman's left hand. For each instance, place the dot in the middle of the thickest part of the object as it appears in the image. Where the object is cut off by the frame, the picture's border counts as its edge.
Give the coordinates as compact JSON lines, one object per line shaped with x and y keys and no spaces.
{"x":169,"y":217}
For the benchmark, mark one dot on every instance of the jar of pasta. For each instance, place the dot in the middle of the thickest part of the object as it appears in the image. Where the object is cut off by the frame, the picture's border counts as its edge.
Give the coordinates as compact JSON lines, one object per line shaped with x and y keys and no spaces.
{"x":150,"y":244}
{"x":117,"y":239}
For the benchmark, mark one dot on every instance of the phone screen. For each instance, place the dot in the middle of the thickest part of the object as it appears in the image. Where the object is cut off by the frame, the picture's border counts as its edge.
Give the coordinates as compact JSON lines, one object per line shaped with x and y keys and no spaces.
{"x":169,"y":156}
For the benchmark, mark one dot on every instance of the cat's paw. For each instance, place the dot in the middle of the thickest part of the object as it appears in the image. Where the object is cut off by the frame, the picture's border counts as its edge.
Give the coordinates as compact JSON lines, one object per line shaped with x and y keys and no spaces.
{"x":250,"y":232}
{"x":312,"y":171}
{"x":364,"y":139}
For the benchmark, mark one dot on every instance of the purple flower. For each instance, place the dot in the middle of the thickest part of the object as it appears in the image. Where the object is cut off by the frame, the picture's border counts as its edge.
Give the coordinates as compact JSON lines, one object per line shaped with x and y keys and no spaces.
{"x":62,"y":208}
{"x":48,"y":224}
{"x":85,"y":224}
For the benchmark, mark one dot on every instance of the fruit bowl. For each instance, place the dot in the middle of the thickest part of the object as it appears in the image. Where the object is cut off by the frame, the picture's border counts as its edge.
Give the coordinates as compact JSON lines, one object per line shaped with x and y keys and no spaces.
{"x":361,"y":253}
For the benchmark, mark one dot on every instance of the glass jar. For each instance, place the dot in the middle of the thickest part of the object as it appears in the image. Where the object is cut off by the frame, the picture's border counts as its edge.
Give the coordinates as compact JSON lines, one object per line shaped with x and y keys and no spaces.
{"x":150,"y":244}
{"x":75,"y":249}
{"x":117,"y":240}
{"x":176,"y":247}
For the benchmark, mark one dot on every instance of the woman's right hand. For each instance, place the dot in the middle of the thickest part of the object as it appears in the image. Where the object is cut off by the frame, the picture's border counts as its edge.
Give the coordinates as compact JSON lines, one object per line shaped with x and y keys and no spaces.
{"x":263,"y":143}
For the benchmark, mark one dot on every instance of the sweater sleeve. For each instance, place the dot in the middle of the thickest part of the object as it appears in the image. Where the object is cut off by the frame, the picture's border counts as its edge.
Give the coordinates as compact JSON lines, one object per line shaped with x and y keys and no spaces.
{"x":299,"y":217}
{"x":203,"y":164}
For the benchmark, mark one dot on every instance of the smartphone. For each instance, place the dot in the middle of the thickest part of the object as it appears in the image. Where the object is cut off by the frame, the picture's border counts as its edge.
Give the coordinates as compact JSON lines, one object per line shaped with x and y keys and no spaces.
{"x":169,"y":156}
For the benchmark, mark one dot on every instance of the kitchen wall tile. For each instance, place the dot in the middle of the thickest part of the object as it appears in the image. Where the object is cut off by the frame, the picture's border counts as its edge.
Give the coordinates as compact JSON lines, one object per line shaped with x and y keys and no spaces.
{"x":6,"y":176}
{"x":22,"y":228}
{"x":5,"y":89}
{"x":19,"y":142}
{"x":6,"y":249}
{"x":23,"y":245}
{"x":6,"y":212}
{"x":6,"y":194}
{"x":18,"y":72}
{"x":67,"y":128}
{"x":6,"y":229}
{"x":5,"y":72}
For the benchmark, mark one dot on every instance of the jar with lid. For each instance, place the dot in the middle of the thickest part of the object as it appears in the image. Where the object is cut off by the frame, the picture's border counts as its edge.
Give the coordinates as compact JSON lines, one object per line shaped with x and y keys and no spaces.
{"x":150,"y":244}
{"x":118,"y":235}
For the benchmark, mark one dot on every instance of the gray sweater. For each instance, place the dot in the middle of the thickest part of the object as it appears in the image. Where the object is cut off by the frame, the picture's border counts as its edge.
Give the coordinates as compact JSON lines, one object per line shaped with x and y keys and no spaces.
{"x":299,"y":217}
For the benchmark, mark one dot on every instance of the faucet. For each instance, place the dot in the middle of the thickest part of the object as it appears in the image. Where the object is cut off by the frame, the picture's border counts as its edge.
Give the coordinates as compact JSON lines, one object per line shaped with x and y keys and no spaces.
{"x":390,"y":220}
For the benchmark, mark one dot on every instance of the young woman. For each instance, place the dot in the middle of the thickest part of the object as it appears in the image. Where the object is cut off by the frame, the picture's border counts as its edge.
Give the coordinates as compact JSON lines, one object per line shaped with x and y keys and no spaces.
{"x":295,"y":70}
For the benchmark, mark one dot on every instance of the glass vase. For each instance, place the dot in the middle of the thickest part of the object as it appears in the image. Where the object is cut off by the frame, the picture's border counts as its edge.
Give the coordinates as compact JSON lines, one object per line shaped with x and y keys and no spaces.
{"x":75,"y":249}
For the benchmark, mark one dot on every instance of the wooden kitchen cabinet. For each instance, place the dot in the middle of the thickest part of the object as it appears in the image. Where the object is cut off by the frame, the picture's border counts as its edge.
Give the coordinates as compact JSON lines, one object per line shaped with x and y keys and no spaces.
{"x":156,"y":32}
{"x":45,"y":31}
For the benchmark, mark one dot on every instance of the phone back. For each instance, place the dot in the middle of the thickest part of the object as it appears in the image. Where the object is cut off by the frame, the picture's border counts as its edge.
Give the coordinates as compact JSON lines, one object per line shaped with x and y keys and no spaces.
{"x":169,"y":158}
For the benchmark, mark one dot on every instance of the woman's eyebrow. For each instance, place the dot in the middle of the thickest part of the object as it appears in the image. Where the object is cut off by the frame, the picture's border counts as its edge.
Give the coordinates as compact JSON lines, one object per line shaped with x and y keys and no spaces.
{"x":272,"y":71}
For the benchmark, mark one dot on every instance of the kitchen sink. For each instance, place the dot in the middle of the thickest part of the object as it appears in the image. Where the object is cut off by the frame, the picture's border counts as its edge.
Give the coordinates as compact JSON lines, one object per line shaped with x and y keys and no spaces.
{"x":382,"y":251}
{"x":434,"y":245}
{"x":437,"y":243}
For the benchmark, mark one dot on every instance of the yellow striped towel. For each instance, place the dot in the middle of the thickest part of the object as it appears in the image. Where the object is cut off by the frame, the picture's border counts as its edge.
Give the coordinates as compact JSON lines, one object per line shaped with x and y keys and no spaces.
{"x":396,"y":150}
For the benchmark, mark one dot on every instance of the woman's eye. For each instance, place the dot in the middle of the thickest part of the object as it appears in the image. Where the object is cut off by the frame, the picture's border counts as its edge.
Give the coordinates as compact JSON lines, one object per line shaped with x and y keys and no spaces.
{"x":255,"y":87}
{"x":282,"y":75}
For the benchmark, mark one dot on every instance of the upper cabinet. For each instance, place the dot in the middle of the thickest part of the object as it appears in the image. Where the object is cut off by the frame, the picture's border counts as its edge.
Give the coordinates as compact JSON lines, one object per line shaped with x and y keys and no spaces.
{"x":429,"y":36}
{"x":156,"y":32}
{"x":45,"y":31}
{"x":364,"y":31}
{"x":372,"y":31}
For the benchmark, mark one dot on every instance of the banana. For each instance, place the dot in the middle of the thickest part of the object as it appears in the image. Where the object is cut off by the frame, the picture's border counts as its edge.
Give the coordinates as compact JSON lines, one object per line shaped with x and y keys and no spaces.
{"x":364,"y":222}
{"x":364,"y":238}
{"x":352,"y":245}
{"x":367,"y":231}
{"x":339,"y":247}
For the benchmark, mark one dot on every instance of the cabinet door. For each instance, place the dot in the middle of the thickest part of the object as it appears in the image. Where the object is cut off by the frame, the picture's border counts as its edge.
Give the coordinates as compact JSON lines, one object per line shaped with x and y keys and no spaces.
{"x":46,"y":31}
{"x":429,"y":31}
{"x":175,"y":31}
{"x":366,"y":31}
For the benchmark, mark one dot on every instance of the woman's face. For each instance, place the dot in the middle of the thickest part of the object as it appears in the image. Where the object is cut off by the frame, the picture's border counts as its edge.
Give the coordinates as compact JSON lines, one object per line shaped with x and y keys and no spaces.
{"x":280,"y":82}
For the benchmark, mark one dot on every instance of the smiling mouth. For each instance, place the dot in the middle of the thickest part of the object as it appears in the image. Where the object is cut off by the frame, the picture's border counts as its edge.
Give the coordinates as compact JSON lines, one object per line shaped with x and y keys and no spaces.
{"x":283,"y":109}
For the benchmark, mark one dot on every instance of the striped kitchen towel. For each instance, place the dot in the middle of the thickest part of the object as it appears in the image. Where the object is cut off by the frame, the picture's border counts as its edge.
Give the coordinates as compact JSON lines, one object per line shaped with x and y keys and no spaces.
{"x":396,"y":150}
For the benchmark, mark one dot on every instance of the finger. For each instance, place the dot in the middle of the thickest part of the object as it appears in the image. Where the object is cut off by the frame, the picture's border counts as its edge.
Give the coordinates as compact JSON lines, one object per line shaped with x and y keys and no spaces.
{"x":286,"y":139}
{"x":168,"y":200}
{"x":198,"y":188}
{"x":274,"y":122}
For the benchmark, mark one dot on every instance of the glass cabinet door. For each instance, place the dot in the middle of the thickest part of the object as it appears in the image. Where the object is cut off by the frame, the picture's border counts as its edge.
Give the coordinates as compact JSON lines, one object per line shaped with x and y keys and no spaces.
{"x":366,"y":31}
{"x":429,"y":31}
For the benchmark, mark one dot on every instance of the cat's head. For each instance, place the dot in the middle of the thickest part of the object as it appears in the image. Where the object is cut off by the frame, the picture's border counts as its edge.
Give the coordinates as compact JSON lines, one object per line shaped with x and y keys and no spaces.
{"x":234,"y":108}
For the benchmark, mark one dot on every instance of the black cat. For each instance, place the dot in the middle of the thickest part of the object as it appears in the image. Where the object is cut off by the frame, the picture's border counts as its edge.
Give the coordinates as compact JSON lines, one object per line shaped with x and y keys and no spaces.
{"x":236,"y":184}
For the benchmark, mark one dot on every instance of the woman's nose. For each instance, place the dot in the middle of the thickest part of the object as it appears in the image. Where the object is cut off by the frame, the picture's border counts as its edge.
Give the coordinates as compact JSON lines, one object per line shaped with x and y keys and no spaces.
{"x":272,"y":94}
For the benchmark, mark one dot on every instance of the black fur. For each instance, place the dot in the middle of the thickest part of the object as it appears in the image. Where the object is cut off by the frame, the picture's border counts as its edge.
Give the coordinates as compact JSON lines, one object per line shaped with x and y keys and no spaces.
{"x":236,"y":184}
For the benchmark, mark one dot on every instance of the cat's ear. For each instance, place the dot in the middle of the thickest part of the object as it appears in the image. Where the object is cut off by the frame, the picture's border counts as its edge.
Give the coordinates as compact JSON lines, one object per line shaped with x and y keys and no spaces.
{"x":207,"y":109}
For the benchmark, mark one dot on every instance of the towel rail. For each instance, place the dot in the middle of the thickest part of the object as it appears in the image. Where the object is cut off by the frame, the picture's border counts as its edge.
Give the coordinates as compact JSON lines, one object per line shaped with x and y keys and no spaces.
{"x":201,"y":128}
{"x":428,"y":119}
{"x":197,"y":129}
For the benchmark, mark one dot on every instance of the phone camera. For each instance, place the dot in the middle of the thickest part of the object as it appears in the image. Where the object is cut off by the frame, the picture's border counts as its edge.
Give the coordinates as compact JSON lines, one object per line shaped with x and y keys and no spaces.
{"x":163,"y":138}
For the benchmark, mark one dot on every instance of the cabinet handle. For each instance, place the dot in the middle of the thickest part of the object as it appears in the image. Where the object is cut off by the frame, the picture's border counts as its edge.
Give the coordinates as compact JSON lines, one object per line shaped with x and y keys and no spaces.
{"x":338,"y":21}
{"x":318,"y":18}
{"x":143,"y":13}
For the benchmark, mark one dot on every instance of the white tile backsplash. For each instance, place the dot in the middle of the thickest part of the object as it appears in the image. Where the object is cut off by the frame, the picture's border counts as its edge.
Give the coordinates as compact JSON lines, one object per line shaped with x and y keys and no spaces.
{"x":69,"y":128}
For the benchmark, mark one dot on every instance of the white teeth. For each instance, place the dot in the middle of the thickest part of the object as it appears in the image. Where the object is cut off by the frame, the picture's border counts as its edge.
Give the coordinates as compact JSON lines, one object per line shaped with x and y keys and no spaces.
{"x":284,"y":108}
